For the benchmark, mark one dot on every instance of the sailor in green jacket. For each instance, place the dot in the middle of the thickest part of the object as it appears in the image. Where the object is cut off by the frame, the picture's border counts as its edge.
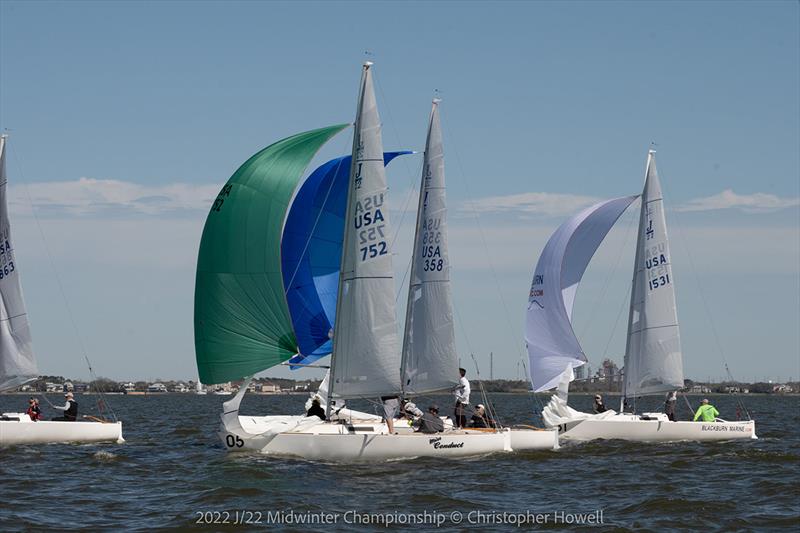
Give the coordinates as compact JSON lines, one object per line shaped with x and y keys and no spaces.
{"x":707,"y":412}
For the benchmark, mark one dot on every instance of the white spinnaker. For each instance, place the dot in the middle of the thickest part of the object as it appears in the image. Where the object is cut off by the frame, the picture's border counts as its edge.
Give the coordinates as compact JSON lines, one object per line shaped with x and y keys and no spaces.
{"x":366,"y":347}
{"x":552,"y":345}
{"x":430,"y":361}
{"x":653,"y":362}
{"x":17,"y":363}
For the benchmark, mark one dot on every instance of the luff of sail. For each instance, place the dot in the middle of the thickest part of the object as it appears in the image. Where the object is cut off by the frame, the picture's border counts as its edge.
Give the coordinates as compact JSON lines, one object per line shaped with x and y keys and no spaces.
{"x":430,"y":361}
{"x":241,"y":318}
{"x":553,"y":348}
{"x":366,"y":348}
{"x":653,"y":362}
{"x":17,"y":362}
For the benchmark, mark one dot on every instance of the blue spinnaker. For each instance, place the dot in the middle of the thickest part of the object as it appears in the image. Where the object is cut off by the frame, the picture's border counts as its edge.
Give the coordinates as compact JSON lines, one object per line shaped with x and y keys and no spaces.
{"x":311,"y":252}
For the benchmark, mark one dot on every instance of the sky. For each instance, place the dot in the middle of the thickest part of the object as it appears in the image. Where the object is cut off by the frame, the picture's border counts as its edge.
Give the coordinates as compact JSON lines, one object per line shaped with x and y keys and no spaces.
{"x":126,"y":118}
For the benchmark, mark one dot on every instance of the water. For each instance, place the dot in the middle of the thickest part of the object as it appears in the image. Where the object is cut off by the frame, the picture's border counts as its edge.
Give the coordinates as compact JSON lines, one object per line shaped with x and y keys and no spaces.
{"x":172,"y":468}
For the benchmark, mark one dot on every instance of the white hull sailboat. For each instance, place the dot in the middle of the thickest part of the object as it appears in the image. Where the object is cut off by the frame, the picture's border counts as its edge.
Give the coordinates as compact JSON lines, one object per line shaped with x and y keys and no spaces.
{"x":18,"y":428}
{"x":653,"y":363}
{"x":17,"y":361}
{"x":243,"y":324}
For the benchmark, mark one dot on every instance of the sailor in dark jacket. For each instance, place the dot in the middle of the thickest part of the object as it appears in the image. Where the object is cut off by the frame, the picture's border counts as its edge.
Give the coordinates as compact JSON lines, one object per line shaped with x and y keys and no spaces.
{"x":430,"y":421}
{"x":70,"y":409}
{"x":316,"y":410}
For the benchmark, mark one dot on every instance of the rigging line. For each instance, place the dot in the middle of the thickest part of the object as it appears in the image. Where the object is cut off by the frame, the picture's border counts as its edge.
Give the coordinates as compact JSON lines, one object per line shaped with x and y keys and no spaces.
{"x":611,"y":274}
{"x":400,"y":286}
{"x":706,"y":308}
{"x":616,"y":322}
{"x":409,"y":175}
{"x":78,"y":336}
{"x":474,"y":211}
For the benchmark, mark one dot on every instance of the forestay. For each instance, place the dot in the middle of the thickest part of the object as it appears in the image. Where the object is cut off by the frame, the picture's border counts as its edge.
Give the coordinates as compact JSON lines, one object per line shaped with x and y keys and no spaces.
{"x":311,"y":254}
{"x":430,"y":361}
{"x":653,"y":362}
{"x":17,"y":363}
{"x":241,"y":320}
{"x":366,"y":348}
{"x":552,"y":345}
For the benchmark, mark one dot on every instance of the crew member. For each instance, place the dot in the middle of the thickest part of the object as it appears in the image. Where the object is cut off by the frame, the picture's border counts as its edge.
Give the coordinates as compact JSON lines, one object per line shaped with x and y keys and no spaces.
{"x":430,"y":422}
{"x":391,"y":408}
{"x":70,"y":409}
{"x":462,"y":399}
{"x":409,"y":410}
{"x":599,"y":406}
{"x":33,"y":410}
{"x":706,"y":411}
{"x":316,"y":409}
{"x":669,"y":405}
{"x":481,"y":419}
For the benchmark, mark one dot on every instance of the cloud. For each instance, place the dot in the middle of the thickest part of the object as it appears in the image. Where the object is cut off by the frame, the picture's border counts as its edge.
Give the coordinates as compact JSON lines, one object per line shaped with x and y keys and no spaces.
{"x":749,"y":203}
{"x":106,"y":197}
{"x":543,"y":204}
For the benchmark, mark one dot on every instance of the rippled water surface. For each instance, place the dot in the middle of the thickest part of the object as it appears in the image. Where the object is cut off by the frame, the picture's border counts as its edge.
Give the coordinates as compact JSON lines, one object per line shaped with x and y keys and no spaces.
{"x":173,"y":467}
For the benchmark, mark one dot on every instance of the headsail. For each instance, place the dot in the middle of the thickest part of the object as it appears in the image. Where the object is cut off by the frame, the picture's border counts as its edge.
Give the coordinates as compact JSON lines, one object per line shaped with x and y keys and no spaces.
{"x":311,"y":254}
{"x":17,"y":363}
{"x":553,"y":347}
{"x":366,"y":348}
{"x":241,"y":319}
{"x":430,"y":361}
{"x":653,"y":362}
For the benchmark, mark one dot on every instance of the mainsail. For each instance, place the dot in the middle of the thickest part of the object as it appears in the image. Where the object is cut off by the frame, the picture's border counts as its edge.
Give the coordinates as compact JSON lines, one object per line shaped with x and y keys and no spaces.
{"x":553,"y":348}
{"x":17,"y":363}
{"x":653,"y":362}
{"x":241,"y":318}
{"x":366,"y":348}
{"x":430,"y":361}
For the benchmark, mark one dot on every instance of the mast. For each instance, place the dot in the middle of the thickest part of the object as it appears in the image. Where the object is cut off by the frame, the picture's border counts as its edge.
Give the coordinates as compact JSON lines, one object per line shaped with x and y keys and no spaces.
{"x":653,"y":362}
{"x":366,"y":352}
{"x":636,"y":262}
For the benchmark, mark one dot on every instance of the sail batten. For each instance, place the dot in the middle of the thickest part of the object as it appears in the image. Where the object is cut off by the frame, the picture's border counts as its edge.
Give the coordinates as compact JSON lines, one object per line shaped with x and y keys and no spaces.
{"x":553,"y":347}
{"x":653,"y":360}
{"x":430,"y":360}
{"x":17,"y":361}
{"x":366,"y":348}
{"x":242,"y":322}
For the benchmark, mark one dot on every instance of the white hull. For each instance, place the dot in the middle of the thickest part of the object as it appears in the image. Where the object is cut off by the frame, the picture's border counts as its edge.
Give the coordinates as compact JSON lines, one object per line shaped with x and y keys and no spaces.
{"x":25,"y":431}
{"x":634,"y":428}
{"x":369,"y":440}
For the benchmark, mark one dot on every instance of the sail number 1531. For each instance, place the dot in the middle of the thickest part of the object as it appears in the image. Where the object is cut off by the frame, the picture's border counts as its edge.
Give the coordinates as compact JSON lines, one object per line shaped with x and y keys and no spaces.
{"x":660,"y":281}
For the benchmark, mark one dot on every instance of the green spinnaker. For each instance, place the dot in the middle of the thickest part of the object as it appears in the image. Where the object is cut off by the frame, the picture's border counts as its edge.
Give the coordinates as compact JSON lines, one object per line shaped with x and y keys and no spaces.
{"x":241,"y":320}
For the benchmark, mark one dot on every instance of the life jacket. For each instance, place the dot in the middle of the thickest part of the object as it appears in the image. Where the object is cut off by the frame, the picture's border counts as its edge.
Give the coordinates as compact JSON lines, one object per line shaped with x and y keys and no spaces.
{"x":72,"y":412}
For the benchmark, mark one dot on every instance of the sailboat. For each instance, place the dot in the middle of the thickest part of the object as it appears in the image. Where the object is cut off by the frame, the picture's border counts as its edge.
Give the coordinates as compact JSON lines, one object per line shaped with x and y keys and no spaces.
{"x":17,"y":361}
{"x":260,"y":301}
{"x":653,"y":361}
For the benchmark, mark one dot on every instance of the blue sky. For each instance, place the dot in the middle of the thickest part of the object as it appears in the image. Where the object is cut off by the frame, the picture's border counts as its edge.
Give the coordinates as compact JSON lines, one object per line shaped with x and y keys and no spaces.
{"x":126,"y":117}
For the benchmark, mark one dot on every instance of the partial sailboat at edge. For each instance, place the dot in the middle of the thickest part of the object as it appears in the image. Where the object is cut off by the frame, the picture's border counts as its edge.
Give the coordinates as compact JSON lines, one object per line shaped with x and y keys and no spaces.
{"x":653,"y":363}
{"x":17,"y":361}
